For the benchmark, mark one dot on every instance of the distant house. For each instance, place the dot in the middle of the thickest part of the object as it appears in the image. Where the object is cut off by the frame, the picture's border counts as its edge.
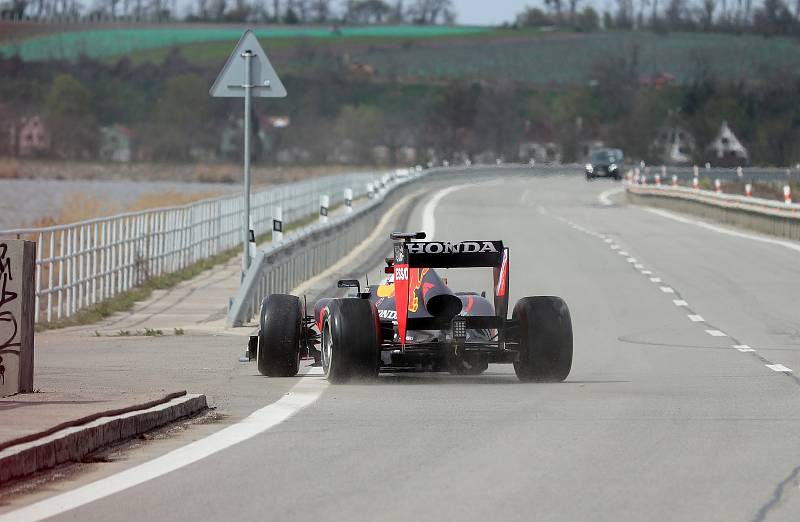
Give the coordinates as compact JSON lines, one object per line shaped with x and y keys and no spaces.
{"x":29,"y":137}
{"x":673,"y":145}
{"x":656,"y":81}
{"x":726,"y":147}
{"x":116,"y":143}
{"x":541,"y":152}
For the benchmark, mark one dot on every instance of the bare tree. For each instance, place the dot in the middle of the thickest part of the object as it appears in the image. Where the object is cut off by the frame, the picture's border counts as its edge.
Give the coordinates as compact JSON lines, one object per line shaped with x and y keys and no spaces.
{"x":709,"y":6}
{"x":320,"y":10}
{"x":573,"y":8}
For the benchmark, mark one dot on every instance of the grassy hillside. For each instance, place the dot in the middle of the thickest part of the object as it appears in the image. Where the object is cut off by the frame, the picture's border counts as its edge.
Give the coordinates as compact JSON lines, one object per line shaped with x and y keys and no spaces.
{"x":114,"y":42}
{"x":425,"y":53}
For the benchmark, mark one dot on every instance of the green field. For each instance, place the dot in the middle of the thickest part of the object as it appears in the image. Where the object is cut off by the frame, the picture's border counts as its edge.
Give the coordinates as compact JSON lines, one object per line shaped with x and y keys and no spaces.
{"x":436,"y":53}
{"x":105,"y":43}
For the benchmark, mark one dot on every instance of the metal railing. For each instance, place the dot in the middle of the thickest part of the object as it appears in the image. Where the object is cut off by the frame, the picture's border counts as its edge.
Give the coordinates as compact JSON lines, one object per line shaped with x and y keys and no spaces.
{"x":280,"y":267}
{"x":81,"y":264}
{"x":763,"y":215}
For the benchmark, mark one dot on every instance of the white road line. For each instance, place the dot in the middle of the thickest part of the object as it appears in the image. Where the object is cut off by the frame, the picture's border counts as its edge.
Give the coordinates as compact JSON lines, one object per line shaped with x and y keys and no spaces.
{"x":667,"y":290}
{"x":721,"y":230}
{"x":743,"y":348}
{"x":680,"y":302}
{"x":655,"y":279}
{"x":608,"y":240}
{"x":623,"y":253}
{"x":614,"y":247}
{"x":603,"y":197}
{"x":301,"y":395}
{"x":716,"y":333}
{"x":696,"y":318}
{"x":631,"y":260}
{"x":778,"y":367}
{"x":428,"y":219}
{"x":638,"y":266}
{"x":646,"y":272}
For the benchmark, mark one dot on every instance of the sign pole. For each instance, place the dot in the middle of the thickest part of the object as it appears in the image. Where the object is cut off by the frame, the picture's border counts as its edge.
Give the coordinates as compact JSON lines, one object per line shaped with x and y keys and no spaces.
{"x":247,"y":73}
{"x":247,"y":55}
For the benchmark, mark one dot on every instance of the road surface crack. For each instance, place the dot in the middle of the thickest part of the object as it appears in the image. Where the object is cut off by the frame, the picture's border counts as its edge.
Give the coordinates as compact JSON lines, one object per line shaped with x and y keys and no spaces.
{"x":777,"y":496}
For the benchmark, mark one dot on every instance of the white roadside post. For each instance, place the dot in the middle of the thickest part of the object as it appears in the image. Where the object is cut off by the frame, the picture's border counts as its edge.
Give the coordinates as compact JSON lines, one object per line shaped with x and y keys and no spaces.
{"x":251,"y":236}
{"x":787,"y":194}
{"x":718,"y":186}
{"x":370,"y":191}
{"x":348,"y":200}
{"x":324,"y":203}
{"x":277,"y":224}
{"x":247,"y":73}
{"x":748,"y":190}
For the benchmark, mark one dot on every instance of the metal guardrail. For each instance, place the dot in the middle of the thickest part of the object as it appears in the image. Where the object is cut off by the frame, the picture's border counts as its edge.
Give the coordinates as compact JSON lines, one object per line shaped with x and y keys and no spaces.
{"x":81,"y":264}
{"x":763,"y":215}
{"x":282,"y":266}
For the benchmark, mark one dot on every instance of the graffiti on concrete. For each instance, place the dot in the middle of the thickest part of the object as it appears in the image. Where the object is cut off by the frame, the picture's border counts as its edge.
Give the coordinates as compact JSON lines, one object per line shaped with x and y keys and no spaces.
{"x":9,"y":340}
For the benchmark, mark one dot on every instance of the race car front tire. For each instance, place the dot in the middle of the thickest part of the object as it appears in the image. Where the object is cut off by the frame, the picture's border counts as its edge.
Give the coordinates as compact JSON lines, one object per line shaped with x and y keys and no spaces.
{"x":278,"y":353}
{"x":350,"y":340}
{"x":545,"y":339}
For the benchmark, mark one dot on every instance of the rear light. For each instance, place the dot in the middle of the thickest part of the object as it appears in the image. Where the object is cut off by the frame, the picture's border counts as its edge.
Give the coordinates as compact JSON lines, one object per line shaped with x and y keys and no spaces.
{"x":459,"y":327}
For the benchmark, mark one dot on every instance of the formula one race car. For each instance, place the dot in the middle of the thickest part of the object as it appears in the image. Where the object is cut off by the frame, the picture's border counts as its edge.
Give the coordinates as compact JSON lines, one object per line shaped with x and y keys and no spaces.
{"x":413,"y":321}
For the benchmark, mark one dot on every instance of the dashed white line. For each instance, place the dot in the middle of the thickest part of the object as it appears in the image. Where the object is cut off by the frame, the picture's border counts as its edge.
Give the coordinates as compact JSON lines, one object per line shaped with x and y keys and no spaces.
{"x":608,"y":240}
{"x":614,"y":247}
{"x":646,"y":272}
{"x":631,"y":260}
{"x":623,"y":253}
{"x":667,"y":290}
{"x":743,"y":348}
{"x":655,"y":279}
{"x":680,"y":302}
{"x":778,"y":367}
{"x":696,"y":318}
{"x":716,"y":333}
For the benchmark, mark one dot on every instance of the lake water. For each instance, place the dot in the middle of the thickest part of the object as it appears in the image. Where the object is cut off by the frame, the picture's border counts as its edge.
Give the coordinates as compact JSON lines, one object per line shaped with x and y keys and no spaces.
{"x":23,"y":201}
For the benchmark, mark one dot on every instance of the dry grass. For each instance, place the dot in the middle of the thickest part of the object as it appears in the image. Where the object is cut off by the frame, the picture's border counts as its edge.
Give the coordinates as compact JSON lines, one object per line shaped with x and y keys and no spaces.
{"x":9,"y":168}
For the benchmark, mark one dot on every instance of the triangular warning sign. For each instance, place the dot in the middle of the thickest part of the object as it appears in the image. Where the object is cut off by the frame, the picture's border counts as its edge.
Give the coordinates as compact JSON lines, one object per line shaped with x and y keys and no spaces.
{"x":263,"y":78}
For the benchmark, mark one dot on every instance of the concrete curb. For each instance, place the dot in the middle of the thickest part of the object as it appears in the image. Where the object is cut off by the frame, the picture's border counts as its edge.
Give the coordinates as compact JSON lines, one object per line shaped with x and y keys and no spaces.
{"x":74,"y":443}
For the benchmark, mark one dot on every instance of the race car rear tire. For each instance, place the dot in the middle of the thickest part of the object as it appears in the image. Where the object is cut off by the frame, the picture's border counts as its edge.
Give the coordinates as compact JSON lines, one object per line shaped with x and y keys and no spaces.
{"x":545,"y":339}
{"x":278,"y":353}
{"x":350,"y":343}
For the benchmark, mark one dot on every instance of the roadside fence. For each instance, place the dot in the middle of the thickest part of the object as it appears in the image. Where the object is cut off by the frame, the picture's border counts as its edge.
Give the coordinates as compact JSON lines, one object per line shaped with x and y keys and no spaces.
{"x":81,"y":264}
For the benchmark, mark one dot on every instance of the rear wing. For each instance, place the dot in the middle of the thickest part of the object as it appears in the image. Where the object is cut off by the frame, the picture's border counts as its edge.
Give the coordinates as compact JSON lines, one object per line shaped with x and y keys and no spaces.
{"x":410,"y":254}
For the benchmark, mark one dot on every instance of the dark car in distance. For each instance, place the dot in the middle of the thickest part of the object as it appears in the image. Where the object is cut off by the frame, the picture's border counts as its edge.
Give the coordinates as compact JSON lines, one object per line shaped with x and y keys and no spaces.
{"x":606,"y":163}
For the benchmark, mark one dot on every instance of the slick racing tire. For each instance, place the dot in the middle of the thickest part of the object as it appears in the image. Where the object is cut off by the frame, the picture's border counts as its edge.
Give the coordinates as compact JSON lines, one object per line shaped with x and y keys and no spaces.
{"x":545,"y":330}
{"x":278,"y":353}
{"x":349,"y":341}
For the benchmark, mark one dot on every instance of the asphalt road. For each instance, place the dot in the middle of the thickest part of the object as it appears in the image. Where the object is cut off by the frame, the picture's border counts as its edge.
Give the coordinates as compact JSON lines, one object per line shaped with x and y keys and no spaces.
{"x":660,"y":419}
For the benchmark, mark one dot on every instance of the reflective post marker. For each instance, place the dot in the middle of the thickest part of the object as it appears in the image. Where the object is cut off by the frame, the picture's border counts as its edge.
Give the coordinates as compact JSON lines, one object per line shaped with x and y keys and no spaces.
{"x":247,"y":55}
{"x":348,"y":200}
{"x":277,"y":224}
{"x":324,"y":203}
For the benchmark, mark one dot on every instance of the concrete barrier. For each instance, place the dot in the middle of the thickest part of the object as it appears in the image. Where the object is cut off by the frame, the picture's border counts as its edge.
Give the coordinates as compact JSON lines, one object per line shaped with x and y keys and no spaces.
{"x":766,"y":216}
{"x":74,"y":442}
